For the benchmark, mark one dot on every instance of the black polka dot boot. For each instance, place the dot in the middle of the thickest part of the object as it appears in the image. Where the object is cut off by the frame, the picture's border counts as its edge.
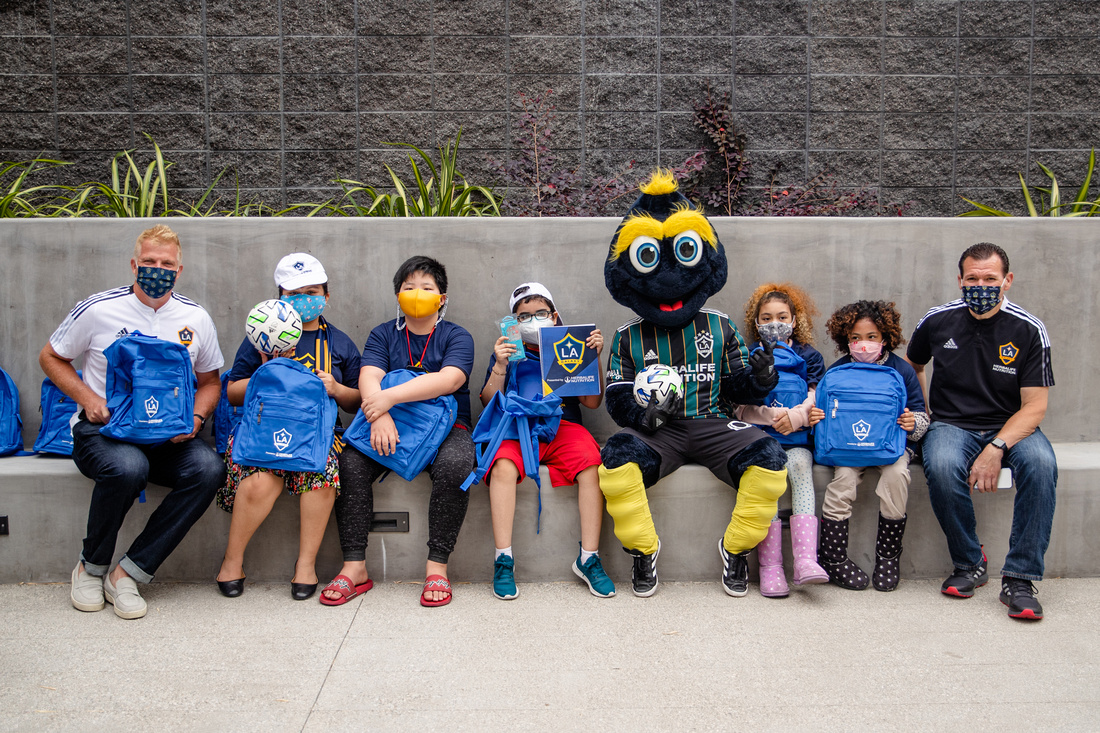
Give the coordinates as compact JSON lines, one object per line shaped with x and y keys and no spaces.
{"x":888,"y":553}
{"x":832,"y":554}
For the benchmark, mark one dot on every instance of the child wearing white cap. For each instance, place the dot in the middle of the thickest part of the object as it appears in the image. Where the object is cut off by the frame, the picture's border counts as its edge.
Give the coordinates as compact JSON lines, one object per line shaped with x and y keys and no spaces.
{"x":573,"y":456}
{"x":251,"y":492}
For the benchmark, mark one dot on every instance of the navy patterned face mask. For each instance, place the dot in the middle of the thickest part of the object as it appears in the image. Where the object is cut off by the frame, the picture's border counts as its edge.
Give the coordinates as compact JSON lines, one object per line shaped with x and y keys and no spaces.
{"x":982,"y":298}
{"x":155,"y":281}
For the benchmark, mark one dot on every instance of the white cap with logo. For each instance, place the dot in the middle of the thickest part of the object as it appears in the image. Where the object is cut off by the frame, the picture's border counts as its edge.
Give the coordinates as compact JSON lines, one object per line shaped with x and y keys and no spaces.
{"x":299,"y":270}
{"x":526,"y":291}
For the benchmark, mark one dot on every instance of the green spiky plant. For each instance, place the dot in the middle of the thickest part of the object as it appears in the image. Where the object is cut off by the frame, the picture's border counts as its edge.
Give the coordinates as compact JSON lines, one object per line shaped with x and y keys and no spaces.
{"x":18,"y":199}
{"x":1047,"y":200}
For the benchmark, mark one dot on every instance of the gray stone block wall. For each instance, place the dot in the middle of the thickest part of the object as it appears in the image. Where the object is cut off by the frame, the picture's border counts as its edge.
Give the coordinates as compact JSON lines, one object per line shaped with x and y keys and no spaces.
{"x":927,"y":100}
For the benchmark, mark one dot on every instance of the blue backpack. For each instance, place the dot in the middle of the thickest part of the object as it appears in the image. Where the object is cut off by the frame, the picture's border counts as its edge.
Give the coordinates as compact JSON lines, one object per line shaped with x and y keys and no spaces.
{"x":791,"y":391}
{"x":288,"y":419}
{"x":150,"y":390}
{"x":519,"y":412}
{"x":11,"y":425}
{"x":423,"y":426}
{"x":862,"y":403}
{"x":226,"y":418}
{"x":55,"y":435}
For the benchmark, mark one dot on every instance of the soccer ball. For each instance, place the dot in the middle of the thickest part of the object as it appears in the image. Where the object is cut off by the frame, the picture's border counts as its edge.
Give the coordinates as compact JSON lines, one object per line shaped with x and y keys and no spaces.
{"x":273,"y":327}
{"x":664,"y":379}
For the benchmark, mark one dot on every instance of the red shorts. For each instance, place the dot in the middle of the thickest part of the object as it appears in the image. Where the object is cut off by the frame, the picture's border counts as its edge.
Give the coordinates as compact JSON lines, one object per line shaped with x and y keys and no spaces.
{"x":571,"y":451}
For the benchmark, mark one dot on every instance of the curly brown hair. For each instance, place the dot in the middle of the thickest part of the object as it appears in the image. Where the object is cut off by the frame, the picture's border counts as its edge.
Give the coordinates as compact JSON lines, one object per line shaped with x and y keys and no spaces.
{"x":883,"y":314}
{"x":798,"y":300}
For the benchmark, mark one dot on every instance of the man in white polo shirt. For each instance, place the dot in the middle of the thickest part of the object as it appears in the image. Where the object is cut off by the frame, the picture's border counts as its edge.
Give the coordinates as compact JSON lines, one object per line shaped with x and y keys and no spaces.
{"x":190,"y":468}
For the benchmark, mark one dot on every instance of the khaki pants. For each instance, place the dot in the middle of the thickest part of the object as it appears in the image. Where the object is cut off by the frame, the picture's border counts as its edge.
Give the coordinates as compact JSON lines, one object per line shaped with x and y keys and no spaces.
{"x":892,"y":490}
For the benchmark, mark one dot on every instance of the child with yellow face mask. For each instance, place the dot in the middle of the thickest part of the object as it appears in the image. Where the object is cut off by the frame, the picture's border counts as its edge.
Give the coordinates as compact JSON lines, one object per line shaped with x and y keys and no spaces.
{"x":443,"y":352}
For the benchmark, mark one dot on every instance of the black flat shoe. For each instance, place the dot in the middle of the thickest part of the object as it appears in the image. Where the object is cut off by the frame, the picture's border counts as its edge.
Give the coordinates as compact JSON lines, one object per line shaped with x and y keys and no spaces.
{"x":302,"y":591}
{"x":231,"y":588}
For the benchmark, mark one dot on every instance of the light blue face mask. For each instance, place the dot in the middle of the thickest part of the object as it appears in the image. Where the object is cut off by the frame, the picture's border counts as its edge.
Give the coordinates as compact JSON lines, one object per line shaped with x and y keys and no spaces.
{"x":308,"y":306}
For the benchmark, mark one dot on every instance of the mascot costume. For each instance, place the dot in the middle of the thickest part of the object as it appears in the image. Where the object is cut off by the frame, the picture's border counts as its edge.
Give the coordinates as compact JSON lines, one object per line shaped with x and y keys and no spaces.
{"x":664,"y":262}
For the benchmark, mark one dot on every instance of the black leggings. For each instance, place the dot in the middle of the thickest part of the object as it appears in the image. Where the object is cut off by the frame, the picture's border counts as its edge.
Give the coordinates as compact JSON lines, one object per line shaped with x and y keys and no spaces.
{"x":446,"y":508}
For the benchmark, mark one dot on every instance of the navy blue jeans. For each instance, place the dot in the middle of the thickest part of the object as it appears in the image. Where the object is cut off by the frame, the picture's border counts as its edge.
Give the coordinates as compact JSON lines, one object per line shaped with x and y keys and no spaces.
{"x":192,"y":470}
{"x":949,"y":452}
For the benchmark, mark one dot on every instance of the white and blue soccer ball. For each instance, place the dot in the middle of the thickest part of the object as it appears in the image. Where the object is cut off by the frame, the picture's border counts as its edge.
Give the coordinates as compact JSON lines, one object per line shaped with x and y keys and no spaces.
{"x":273,"y":327}
{"x":663,"y":379}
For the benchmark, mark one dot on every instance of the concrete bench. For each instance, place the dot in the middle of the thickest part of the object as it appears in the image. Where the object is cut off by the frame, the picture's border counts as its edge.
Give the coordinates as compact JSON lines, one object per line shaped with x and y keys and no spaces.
{"x":46,"y":502}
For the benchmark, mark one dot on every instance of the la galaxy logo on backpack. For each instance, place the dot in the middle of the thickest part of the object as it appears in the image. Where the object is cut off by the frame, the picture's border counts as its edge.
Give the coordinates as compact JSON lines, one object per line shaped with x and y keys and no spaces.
{"x":150,"y":390}
{"x":862,"y":403}
{"x":422,"y":427}
{"x":288,"y":419}
{"x":791,"y":391}
{"x":55,"y":436}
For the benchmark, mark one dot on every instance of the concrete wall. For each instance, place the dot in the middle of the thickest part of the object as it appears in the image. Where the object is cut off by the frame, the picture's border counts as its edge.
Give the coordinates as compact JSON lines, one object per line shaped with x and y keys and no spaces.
{"x":47,"y":266}
{"x":927,"y":99}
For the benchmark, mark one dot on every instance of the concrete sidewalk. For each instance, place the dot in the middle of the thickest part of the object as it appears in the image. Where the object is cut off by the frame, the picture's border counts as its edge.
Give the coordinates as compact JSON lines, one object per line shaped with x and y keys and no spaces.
{"x":689,"y":658}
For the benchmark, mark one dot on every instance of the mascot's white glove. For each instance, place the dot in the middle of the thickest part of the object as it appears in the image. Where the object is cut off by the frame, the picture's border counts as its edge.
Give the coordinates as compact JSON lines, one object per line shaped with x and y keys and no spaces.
{"x":762,"y":364}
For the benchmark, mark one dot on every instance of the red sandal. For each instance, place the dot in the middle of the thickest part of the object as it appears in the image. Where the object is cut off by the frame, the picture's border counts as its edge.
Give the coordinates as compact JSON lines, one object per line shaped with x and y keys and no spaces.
{"x":342,"y":584}
{"x":436,"y":583}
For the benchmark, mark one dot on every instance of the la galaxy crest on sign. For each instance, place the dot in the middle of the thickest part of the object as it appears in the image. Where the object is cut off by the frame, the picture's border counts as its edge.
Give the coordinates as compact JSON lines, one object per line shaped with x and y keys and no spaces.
{"x":568,"y":366}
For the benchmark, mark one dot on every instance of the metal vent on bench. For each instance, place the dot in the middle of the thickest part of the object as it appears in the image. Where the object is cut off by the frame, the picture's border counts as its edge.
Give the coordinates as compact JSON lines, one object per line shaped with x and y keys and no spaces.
{"x":390,"y":522}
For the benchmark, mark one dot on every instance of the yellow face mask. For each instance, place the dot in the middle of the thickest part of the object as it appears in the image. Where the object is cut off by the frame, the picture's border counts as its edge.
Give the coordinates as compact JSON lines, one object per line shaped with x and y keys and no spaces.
{"x":419,"y":303}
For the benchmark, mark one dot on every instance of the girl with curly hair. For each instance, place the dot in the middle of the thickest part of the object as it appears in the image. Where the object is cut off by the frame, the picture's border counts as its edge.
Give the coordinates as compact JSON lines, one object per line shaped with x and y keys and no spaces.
{"x":868,"y":331}
{"x":782,"y":314}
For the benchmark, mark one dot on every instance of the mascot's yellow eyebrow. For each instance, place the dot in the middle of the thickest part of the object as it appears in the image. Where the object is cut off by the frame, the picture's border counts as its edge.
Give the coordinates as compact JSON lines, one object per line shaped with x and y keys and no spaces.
{"x":644,"y":225}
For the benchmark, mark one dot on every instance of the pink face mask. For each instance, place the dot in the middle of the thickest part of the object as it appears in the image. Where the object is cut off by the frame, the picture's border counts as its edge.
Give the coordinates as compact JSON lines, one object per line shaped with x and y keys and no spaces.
{"x":865,"y":351}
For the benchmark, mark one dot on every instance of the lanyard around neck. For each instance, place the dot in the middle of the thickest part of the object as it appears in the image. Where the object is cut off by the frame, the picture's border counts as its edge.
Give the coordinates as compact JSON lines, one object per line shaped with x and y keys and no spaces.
{"x":408,"y":342}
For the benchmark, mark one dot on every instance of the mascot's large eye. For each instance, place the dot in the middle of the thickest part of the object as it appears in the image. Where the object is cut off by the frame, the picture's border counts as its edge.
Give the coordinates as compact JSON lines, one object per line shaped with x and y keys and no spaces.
{"x":688,"y":248}
{"x":645,"y":254}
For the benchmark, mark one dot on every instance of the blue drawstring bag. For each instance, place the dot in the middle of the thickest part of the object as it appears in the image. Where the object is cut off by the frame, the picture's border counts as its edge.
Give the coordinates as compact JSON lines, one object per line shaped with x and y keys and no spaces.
{"x":422,"y":427}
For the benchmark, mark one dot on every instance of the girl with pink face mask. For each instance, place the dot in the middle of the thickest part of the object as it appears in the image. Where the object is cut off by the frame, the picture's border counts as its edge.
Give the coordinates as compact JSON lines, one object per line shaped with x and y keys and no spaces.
{"x":868,"y":332}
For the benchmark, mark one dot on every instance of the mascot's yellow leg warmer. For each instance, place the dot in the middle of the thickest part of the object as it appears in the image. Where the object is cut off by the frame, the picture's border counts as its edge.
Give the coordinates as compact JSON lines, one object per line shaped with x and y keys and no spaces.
{"x":757,"y":497}
{"x":628,"y":505}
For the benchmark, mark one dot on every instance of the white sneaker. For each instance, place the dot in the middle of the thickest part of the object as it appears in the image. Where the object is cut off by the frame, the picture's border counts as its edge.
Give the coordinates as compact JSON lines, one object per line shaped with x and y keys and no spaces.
{"x":87,"y":591}
{"x":127,"y":601}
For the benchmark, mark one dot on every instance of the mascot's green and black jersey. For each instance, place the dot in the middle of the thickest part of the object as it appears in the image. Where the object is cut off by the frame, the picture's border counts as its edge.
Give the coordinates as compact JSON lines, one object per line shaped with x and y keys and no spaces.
{"x":664,"y":261}
{"x":702,"y":351}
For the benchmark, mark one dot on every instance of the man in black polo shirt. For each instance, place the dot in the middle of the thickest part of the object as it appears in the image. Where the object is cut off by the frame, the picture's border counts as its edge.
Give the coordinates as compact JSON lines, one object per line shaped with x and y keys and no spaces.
{"x":988,"y":396}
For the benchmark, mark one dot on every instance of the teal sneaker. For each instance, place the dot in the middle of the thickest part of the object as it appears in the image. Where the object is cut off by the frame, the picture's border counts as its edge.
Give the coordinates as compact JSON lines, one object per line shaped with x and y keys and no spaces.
{"x":592,"y":573}
{"x":504,"y":579}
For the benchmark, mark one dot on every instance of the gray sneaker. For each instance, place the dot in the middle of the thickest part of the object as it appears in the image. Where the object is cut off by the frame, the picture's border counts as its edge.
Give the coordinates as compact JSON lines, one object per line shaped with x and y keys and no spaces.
{"x":87,"y":591}
{"x":124,"y":597}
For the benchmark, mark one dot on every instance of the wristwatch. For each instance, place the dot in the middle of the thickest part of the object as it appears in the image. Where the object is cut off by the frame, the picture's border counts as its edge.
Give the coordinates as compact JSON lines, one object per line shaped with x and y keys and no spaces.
{"x":998,"y":443}
{"x":202,"y":422}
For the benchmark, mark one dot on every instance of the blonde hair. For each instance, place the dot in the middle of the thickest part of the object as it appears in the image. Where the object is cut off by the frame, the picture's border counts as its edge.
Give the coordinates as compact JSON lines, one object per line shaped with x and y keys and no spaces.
{"x":159,"y":233}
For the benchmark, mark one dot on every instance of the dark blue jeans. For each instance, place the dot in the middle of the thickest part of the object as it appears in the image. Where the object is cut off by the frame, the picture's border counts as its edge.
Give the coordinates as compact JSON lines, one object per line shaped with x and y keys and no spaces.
{"x":949,"y":452}
{"x":192,"y":470}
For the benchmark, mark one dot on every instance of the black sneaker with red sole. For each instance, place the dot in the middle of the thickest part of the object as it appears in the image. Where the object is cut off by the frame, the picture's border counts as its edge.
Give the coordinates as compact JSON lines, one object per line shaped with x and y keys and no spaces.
{"x":1019,"y":596}
{"x":963,"y":583}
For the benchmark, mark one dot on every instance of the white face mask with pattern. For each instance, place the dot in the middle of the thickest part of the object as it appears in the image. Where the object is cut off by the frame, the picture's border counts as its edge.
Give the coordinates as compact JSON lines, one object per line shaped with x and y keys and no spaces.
{"x":775,"y":331}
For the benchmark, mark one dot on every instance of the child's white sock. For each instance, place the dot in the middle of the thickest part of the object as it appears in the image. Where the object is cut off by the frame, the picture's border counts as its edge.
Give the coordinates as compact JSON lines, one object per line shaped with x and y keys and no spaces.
{"x":585,"y":554}
{"x":506,"y":551}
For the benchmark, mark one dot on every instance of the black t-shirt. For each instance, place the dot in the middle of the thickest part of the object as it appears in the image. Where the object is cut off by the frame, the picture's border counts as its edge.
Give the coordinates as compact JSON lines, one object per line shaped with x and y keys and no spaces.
{"x":981,"y":365}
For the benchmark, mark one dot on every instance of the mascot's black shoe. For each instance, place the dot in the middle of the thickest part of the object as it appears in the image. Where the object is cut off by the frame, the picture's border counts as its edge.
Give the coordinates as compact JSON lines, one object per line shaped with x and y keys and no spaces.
{"x":735,"y":571}
{"x":643,"y":578}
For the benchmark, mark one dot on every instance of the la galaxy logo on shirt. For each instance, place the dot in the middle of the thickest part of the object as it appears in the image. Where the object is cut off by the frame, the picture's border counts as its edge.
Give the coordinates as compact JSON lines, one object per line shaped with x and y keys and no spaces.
{"x":1007,"y":353}
{"x":704,"y":344}
{"x":186,"y":336}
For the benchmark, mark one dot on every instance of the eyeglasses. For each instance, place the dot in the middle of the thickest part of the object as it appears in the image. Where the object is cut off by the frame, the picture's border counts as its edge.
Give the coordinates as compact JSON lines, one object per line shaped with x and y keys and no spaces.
{"x":542,"y":315}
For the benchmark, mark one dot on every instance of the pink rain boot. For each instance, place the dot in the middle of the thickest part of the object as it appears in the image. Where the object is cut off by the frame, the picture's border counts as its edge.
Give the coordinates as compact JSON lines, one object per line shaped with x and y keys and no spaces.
{"x":773,"y":583}
{"x":804,"y":545}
